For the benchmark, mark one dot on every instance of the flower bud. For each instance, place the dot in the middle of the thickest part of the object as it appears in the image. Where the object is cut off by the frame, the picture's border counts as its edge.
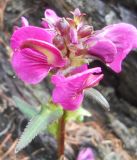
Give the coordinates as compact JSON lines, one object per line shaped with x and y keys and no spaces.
{"x":73,"y":36}
{"x":85,"y":31}
{"x":24,"y":22}
{"x":58,"y":41}
{"x":77,"y":16}
{"x":63,"y":26}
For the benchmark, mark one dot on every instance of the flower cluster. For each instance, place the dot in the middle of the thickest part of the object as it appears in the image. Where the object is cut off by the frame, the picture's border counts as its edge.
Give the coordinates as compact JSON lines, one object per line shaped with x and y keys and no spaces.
{"x":64,"y":46}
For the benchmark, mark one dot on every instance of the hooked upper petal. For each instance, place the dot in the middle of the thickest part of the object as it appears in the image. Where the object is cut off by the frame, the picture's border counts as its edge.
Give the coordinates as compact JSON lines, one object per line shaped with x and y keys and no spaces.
{"x":30,"y":66}
{"x":124,"y":36}
{"x":86,"y":79}
{"x":102,"y":48}
{"x":69,"y":90}
{"x":27,"y":32}
{"x":53,"y":55}
{"x":117,"y":63}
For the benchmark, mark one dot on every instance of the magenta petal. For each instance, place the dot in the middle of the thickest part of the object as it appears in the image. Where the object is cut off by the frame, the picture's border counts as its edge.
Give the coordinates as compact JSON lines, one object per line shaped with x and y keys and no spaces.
{"x":117,"y":63}
{"x":124,"y":36}
{"x":66,"y":96}
{"x":85,"y":79}
{"x":69,"y":91}
{"x":25,"y":33}
{"x":30,"y":66}
{"x":102,"y":48}
{"x":82,"y":68}
{"x":54,"y":57}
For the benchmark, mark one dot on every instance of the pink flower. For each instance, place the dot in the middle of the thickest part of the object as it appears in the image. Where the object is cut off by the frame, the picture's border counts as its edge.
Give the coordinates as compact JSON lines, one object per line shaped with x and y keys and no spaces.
{"x":113,"y":43}
{"x":36,"y":50}
{"x":69,"y":90}
{"x":86,"y":154}
{"x":34,"y":55}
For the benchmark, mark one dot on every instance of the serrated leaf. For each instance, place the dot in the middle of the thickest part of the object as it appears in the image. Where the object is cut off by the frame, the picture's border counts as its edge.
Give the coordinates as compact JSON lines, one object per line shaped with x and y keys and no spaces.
{"x":37,"y":124}
{"x":25,"y":108}
{"x":96,"y":95}
{"x":77,"y":115}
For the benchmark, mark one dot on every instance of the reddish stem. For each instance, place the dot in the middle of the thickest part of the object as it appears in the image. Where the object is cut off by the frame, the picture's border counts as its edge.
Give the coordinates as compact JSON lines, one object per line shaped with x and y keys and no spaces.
{"x":61,"y":136}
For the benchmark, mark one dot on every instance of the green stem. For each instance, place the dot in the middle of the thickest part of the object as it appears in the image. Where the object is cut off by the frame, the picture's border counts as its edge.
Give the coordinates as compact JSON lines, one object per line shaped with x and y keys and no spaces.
{"x":61,"y":136}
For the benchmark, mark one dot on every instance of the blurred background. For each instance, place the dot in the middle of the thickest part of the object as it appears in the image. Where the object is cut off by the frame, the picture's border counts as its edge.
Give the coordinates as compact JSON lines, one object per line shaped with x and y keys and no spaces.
{"x":111,"y":135}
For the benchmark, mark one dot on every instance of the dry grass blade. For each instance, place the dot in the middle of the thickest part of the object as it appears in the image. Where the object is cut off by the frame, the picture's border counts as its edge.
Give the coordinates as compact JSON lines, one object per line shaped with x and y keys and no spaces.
{"x":9,"y":150}
{"x":3,"y":4}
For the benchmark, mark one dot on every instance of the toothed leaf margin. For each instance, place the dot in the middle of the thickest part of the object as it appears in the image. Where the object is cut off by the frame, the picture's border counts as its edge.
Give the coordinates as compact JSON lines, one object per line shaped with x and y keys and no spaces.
{"x":38,"y":124}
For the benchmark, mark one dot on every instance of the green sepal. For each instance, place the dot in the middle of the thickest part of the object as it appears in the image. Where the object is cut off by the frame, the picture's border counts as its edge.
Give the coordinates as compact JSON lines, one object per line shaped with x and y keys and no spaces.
{"x":77,"y":115}
{"x":53,"y":128}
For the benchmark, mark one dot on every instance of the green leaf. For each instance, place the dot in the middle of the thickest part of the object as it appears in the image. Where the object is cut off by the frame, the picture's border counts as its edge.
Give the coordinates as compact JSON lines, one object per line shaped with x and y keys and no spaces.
{"x":96,"y":95}
{"x":25,"y":108}
{"x":77,"y":115}
{"x":38,"y":124}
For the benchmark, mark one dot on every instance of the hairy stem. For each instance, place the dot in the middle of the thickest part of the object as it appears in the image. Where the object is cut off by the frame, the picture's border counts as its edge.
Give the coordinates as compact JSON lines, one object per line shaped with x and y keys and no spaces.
{"x":61,"y":136}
